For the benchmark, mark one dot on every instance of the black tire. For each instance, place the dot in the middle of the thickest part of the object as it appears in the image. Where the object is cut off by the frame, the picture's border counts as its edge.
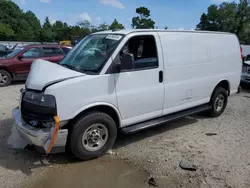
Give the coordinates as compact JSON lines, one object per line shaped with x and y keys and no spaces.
{"x":83,"y":124}
{"x":7,"y":75}
{"x":218,"y":93}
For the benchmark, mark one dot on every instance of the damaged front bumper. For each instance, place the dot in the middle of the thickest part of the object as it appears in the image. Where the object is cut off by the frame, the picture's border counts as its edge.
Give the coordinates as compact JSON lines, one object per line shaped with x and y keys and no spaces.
{"x":46,"y":137}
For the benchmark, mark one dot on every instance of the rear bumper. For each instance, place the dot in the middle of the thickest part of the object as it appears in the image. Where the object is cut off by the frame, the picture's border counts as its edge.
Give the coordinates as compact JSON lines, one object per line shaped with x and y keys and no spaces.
{"x":37,"y":137}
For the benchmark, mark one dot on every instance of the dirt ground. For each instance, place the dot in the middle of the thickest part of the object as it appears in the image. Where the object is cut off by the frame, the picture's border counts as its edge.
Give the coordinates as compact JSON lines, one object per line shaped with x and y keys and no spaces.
{"x":221,"y":158}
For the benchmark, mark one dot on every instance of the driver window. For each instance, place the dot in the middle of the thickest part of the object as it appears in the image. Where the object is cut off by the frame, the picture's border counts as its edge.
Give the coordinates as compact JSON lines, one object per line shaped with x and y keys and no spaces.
{"x":32,"y":53}
{"x":144,"y":50}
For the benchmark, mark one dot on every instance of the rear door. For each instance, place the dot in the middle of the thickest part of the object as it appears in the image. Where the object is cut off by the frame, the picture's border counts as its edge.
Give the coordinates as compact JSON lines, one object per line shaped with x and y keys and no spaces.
{"x":23,"y":64}
{"x":52,"y":54}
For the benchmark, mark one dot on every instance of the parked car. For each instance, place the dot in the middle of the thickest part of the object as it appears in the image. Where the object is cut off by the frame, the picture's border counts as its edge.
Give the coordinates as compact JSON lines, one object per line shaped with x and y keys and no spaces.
{"x":127,"y":80}
{"x":4,"y":50}
{"x":16,"y":65}
{"x":245,"y":76}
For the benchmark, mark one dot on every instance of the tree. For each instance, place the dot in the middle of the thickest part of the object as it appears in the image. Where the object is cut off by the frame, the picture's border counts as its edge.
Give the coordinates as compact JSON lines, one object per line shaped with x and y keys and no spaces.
{"x":228,"y":17}
{"x":103,"y":27}
{"x":219,"y":18}
{"x":166,"y":27}
{"x":34,"y":26}
{"x":6,"y":33}
{"x":116,"y":25}
{"x":143,"y":21}
{"x":243,"y":22}
{"x":85,"y":24}
{"x":47,"y":35}
{"x":59,"y":29}
{"x":79,"y":31}
{"x":203,"y":25}
{"x":25,"y":32}
{"x":10,"y":14}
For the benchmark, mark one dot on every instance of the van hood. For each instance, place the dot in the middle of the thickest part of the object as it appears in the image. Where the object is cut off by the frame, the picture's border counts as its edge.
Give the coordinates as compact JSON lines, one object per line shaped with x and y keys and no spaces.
{"x":44,"y":73}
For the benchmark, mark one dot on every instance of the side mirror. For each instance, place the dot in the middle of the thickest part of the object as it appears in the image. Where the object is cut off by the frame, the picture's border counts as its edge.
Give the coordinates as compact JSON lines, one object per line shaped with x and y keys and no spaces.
{"x":127,"y":62}
{"x":20,"y":57}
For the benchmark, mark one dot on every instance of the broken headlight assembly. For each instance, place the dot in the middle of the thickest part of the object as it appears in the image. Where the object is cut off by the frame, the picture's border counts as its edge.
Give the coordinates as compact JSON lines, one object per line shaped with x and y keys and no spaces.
{"x":38,"y":109}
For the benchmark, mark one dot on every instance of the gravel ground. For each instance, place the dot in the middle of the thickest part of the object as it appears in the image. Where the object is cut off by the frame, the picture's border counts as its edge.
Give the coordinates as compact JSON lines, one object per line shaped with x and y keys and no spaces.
{"x":222,"y":159}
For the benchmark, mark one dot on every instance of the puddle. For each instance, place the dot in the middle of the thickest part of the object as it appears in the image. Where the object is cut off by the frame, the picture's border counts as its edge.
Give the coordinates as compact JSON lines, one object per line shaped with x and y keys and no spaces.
{"x":105,"y":172}
{"x":15,"y":141}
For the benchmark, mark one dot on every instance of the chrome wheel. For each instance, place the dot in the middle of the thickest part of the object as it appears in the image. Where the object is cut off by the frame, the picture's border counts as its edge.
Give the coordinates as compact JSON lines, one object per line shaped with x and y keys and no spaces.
{"x":219,"y":103}
{"x":3,"y":78}
{"x":95,"y":137}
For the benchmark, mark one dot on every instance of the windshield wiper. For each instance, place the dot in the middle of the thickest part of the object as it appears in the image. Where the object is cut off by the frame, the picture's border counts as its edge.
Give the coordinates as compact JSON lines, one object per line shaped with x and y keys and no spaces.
{"x":69,"y":66}
{"x":89,"y":70}
{"x":79,"y":70}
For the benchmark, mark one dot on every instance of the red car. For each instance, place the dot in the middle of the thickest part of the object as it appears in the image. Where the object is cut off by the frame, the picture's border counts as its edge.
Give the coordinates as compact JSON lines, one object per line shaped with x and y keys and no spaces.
{"x":16,"y":65}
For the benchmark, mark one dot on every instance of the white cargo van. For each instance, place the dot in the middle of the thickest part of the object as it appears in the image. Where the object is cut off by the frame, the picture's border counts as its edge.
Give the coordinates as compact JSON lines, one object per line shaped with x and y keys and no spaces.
{"x":126,"y":80}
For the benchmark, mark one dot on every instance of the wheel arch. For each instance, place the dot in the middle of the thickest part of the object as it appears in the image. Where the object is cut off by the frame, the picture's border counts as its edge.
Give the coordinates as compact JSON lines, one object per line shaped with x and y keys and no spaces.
{"x":224,"y":83}
{"x":6,"y":69}
{"x":107,"y":108}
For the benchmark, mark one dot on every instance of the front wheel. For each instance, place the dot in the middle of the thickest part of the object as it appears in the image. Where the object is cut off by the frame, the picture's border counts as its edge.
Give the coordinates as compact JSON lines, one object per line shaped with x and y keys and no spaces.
{"x":218,"y":102}
{"x":92,"y":135}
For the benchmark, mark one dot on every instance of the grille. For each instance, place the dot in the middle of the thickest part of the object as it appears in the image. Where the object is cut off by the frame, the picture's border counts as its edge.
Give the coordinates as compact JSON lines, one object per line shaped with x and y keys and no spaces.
{"x":37,"y":120}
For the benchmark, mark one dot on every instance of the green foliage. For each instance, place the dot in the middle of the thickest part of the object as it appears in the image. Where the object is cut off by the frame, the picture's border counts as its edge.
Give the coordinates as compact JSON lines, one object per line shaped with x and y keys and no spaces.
{"x":228,"y":17}
{"x":85,"y":24}
{"x":103,"y":27}
{"x":6,"y":33}
{"x":47,"y":33}
{"x":116,"y":25}
{"x":34,"y":24}
{"x":15,"y":24}
{"x":143,"y":21}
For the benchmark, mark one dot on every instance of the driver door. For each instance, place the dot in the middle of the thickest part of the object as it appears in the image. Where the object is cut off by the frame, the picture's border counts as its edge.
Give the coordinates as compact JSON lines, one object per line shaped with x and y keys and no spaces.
{"x":140,"y":90}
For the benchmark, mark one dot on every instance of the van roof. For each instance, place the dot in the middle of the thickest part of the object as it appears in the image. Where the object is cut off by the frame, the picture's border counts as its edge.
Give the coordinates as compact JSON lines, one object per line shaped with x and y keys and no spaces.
{"x":127,"y":31}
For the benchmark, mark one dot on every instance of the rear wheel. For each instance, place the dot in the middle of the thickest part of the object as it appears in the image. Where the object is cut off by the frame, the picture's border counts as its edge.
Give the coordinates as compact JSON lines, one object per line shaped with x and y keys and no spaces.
{"x":5,"y":78}
{"x":218,"y":102}
{"x":92,"y":135}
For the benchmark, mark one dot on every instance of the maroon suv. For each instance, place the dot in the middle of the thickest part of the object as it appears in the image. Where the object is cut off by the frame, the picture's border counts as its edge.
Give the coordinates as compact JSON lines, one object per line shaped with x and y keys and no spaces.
{"x":16,"y":65}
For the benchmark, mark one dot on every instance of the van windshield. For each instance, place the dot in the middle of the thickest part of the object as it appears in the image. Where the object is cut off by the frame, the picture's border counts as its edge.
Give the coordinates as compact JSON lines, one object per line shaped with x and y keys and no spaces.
{"x":90,"y":54}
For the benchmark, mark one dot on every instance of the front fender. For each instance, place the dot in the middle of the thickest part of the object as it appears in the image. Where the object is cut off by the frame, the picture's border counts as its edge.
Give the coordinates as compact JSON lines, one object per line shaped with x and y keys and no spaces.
{"x":96,"y":105}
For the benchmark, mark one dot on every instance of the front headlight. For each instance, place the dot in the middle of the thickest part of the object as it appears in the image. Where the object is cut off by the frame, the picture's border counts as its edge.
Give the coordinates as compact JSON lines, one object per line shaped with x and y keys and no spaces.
{"x":38,"y":109}
{"x":39,"y":103}
{"x":40,"y":99}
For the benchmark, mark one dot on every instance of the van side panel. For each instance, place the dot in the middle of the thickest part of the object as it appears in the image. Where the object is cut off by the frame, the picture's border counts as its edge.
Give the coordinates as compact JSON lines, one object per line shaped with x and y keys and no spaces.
{"x":225,"y":50}
{"x":194,"y":64}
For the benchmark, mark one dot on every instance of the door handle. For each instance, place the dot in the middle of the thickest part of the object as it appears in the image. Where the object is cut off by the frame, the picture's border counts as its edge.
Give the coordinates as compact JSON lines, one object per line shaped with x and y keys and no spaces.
{"x":161,"y":76}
